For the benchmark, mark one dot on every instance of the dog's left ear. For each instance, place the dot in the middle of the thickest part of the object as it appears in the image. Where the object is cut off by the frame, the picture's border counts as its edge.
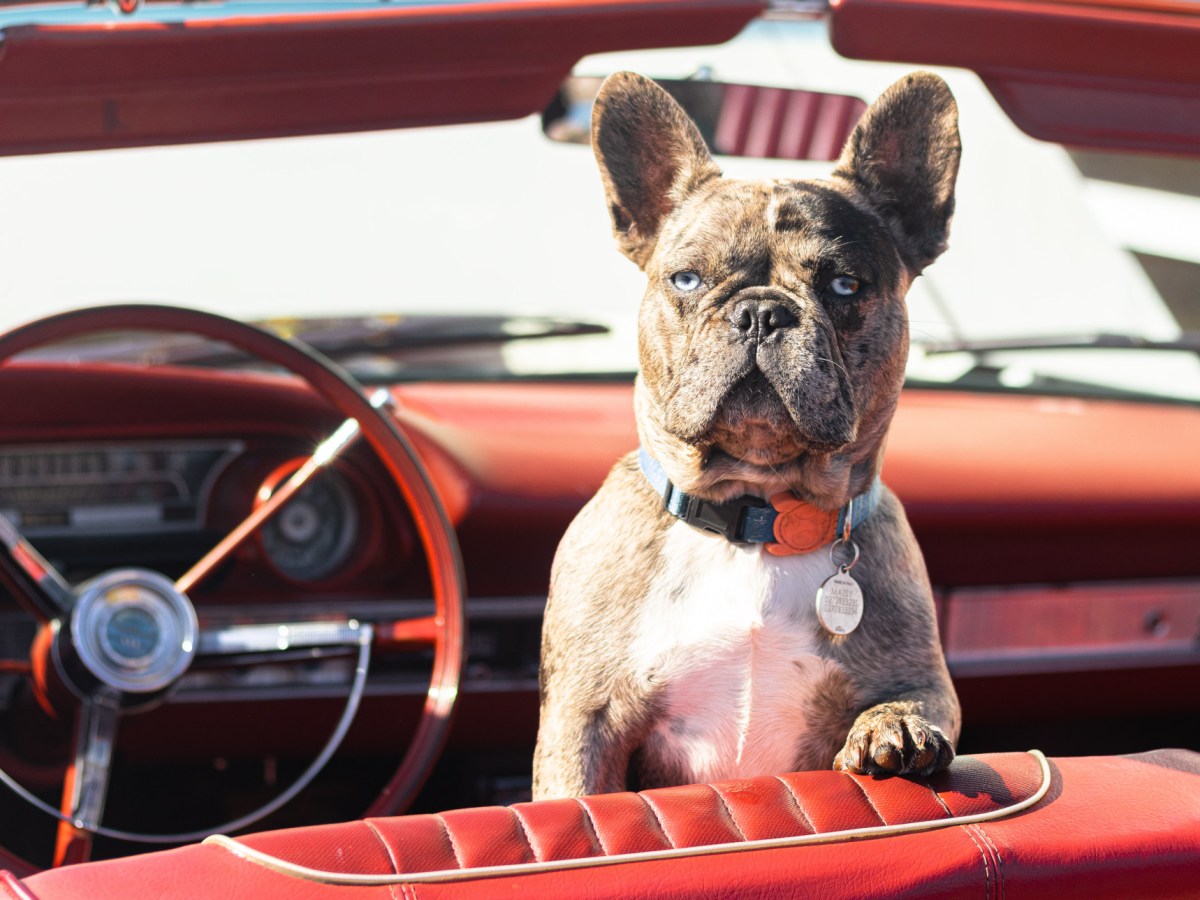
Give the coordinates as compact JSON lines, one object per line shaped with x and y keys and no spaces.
{"x":904,"y":157}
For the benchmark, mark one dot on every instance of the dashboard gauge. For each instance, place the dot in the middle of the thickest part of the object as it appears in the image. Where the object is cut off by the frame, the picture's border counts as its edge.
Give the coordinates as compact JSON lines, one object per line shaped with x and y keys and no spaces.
{"x":314,"y":533}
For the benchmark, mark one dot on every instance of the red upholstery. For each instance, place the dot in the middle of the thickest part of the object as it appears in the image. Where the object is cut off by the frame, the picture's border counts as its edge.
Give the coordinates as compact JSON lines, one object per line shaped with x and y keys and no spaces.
{"x":1119,"y":826}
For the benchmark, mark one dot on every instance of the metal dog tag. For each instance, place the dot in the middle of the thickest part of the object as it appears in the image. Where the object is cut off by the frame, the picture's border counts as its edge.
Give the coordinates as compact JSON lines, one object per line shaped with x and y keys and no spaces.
{"x":839,"y":603}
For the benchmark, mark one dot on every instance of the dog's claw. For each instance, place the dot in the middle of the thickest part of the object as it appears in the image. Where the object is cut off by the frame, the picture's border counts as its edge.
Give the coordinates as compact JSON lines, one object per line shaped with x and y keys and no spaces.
{"x":925,"y":750}
{"x":887,"y":743}
{"x":850,"y":759}
{"x":889,"y":746}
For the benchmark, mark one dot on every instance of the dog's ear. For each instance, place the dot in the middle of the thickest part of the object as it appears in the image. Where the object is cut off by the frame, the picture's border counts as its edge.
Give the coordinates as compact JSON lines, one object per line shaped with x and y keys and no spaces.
{"x":904,"y":157}
{"x":651,"y":156}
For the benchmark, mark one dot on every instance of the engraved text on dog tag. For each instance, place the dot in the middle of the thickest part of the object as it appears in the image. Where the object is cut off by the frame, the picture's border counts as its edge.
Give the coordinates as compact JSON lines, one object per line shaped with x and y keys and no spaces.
{"x":839,"y":603}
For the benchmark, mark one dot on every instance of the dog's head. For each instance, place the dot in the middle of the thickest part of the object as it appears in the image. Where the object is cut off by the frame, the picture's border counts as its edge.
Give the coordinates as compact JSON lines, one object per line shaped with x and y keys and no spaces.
{"x":773,"y":334}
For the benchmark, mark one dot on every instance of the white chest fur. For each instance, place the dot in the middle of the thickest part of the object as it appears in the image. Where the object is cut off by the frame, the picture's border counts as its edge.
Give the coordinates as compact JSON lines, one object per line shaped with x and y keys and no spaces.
{"x":729,"y":630}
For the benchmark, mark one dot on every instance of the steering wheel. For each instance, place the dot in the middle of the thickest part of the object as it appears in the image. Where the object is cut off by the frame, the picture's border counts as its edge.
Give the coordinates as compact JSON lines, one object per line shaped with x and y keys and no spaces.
{"x":120,"y":642}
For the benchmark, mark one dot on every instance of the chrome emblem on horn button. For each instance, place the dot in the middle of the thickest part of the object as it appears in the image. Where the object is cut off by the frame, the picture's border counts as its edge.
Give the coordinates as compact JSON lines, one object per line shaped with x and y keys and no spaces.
{"x":132,"y":635}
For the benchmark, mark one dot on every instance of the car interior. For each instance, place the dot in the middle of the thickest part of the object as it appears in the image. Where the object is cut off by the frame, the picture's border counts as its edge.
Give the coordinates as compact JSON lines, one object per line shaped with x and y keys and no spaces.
{"x":282,"y":580}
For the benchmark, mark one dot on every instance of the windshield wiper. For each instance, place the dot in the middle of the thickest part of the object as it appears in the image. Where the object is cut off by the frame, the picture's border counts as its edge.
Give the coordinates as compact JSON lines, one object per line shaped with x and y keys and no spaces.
{"x":1189,"y":341}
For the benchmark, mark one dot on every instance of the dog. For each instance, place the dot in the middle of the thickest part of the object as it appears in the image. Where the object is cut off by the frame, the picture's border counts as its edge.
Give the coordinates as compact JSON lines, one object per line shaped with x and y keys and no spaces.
{"x":743,"y":596}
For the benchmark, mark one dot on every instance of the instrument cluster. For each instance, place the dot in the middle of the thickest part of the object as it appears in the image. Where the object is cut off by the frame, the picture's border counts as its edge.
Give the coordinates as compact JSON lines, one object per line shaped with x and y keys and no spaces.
{"x":100,"y":505}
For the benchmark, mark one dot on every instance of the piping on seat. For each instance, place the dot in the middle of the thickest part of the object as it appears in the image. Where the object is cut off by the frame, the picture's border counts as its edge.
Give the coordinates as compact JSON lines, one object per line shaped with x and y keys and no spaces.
{"x":294,"y":870}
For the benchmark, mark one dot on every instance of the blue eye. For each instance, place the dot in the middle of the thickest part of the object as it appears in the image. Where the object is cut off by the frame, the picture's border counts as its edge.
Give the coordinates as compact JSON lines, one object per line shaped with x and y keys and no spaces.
{"x":845,"y":285}
{"x":686,"y":281}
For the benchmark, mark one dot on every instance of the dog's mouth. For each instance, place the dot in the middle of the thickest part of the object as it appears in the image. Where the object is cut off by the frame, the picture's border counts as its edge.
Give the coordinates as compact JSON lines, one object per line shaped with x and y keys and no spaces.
{"x":753,"y":424}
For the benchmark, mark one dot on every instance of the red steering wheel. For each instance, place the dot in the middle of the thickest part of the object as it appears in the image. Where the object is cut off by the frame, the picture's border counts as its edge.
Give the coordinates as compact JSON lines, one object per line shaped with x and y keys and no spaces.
{"x":123,"y":640}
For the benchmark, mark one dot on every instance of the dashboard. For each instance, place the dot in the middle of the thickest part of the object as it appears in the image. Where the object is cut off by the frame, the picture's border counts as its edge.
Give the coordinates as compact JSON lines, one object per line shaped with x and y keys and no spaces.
{"x":160,"y":464}
{"x":1035,"y":574}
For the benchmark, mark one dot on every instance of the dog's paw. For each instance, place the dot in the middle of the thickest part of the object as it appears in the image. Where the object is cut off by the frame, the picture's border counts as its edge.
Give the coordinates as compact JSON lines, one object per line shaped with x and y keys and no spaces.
{"x":885,"y":742}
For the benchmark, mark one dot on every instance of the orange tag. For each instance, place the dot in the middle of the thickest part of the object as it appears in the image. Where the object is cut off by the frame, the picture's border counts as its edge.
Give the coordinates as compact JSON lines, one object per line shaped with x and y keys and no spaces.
{"x":800,"y":527}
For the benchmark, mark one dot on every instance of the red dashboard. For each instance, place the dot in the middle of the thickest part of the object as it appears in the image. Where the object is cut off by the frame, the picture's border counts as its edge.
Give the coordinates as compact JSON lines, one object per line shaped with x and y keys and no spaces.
{"x":1032,"y":511}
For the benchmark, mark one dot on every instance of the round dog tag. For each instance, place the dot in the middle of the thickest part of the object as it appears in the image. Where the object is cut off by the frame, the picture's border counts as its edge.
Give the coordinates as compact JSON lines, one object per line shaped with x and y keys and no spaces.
{"x":839,"y":603}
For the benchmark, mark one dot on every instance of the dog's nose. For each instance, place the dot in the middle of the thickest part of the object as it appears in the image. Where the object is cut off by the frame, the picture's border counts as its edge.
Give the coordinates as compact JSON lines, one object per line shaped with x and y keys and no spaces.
{"x":756,"y":318}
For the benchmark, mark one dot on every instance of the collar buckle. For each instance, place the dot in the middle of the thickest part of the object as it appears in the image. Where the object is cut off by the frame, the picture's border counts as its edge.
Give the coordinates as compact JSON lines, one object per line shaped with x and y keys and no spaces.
{"x":726,"y":519}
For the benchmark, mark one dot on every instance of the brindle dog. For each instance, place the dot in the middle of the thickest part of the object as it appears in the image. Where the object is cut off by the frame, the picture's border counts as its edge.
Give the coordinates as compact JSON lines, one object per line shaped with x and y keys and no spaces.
{"x":772,"y":337}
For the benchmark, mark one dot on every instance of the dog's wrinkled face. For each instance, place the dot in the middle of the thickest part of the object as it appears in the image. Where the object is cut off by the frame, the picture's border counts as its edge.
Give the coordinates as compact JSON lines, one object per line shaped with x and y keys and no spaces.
{"x":773,"y":334}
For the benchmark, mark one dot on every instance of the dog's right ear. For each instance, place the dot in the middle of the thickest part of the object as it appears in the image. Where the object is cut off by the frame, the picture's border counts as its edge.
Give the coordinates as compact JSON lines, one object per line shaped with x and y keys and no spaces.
{"x":651,"y":156}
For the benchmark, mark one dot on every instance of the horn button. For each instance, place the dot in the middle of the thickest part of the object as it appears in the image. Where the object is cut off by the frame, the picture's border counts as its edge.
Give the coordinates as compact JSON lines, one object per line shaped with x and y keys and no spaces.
{"x":130,"y":631}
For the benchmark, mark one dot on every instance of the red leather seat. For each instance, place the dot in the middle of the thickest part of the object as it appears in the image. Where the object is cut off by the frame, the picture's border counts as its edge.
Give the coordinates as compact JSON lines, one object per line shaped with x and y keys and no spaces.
{"x":1107,"y":827}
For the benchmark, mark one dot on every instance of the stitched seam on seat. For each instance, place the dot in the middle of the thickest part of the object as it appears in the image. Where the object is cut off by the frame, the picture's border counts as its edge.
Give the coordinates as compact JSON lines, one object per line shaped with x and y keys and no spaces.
{"x":729,"y":813}
{"x":942,"y":803}
{"x":384,"y":844}
{"x":866,"y":797}
{"x":812,"y":829}
{"x":987,"y":871}
{"x":599,"y":841}
{"x":999,"y":859}
{"x":391,"y":857}
{"x":453,"y":845}
{"x":525,"y":834}
{"x":662,"y":828}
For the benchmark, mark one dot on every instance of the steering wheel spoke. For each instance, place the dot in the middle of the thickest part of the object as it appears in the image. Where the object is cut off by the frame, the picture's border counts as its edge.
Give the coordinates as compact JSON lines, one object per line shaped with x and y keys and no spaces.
{"x":273,"y":637}
{"x":86,"y":786}
{"x":272,"y":642}
{"x":326,"y":452}
{"x":42,"y":590}
{"x":279,"y":642}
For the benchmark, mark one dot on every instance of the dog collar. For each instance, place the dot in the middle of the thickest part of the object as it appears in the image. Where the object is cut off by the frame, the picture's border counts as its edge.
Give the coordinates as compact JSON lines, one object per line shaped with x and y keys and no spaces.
{"x":787,"y":525}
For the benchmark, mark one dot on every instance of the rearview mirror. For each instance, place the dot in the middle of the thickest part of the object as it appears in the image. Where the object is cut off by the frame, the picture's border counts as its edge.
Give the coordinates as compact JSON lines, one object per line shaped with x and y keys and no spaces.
{"x":735,"y":119}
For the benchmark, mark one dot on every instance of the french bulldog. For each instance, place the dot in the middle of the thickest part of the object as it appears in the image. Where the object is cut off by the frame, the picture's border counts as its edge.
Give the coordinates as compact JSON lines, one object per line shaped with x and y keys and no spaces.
{"x":684,"y":638}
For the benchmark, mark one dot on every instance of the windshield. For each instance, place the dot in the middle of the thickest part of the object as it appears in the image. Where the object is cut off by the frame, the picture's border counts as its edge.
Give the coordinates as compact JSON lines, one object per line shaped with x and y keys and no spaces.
{"x":499,"y":221}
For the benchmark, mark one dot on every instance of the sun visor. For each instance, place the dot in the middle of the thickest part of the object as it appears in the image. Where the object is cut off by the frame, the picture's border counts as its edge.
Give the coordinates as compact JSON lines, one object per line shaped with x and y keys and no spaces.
{"x":170,"y":73}
{"x":1115,"y":74}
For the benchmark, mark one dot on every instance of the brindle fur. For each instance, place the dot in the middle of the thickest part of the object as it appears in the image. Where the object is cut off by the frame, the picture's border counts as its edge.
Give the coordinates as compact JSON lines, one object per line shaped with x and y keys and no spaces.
{"x":729,"y":410}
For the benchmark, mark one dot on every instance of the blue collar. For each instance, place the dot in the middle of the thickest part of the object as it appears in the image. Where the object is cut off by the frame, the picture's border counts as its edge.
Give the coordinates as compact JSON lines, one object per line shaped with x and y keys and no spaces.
{"x":746,"y":520}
